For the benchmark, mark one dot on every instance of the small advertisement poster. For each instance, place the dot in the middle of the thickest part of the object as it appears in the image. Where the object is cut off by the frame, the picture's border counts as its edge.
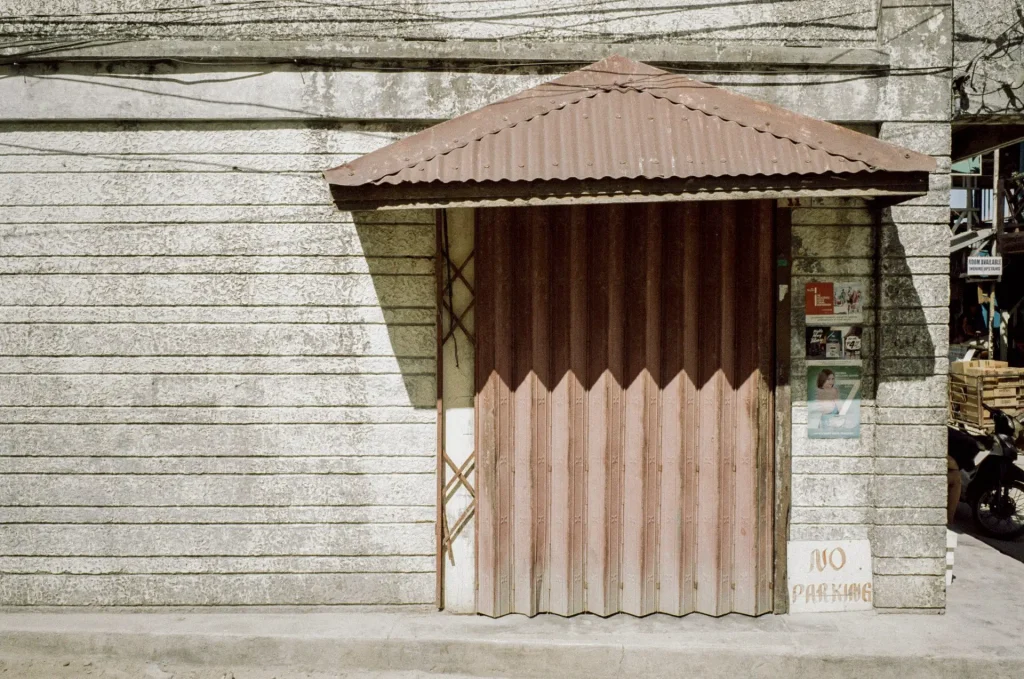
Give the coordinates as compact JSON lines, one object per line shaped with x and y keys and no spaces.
{"x":833,"y":399}
{"x":834,"y":303}
{"x":826,"y":342}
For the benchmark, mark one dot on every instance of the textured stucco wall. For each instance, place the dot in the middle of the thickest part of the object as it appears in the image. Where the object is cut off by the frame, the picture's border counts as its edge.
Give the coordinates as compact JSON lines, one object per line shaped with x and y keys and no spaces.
{"x":988,"y":64}
{"x":913,"y":299}
{"x":775,"y":21}
{"x":215,"y":388}
{"x":218,"y":390}
{"x":889,"y":486}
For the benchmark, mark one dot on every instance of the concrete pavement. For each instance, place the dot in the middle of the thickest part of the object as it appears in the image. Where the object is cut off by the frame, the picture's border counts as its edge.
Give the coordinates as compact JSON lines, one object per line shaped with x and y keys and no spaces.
{"x":980,"y":636}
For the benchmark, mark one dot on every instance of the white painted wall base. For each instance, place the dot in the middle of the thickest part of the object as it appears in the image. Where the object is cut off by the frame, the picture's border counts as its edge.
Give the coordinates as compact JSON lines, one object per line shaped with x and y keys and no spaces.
{"x":459,"y":393}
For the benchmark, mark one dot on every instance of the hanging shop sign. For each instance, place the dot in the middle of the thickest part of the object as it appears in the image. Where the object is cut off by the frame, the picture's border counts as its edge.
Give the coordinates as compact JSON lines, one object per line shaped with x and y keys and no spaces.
{"x":829,"y":575}
{"x":984,"y":267}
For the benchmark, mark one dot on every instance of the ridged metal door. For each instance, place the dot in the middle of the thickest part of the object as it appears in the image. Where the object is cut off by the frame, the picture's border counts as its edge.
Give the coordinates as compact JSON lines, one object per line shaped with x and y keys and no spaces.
{"x":624,"y":415}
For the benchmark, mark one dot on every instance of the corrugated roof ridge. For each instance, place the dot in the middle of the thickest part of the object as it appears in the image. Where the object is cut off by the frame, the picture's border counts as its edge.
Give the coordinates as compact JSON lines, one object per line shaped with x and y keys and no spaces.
{"x":491,"y":133}
{"x":760,"y":130}
{"x":619,"y":74}
{"x":620,"y":88}
{"x":787,"y":117}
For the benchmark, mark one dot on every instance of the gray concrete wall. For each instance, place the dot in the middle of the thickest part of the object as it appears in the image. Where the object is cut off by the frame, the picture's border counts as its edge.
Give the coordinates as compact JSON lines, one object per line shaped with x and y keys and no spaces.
{"x":215,"y":388}
{"x":889,"y":486}
{"x":777,"y":21}
{"x":218,"y":390}
{"x":908,"y":488}
{"x":988,"y":64}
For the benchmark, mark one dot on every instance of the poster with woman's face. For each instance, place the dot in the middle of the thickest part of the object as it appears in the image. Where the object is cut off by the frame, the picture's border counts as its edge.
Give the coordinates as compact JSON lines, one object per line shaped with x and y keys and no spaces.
{"x":833,"y":400}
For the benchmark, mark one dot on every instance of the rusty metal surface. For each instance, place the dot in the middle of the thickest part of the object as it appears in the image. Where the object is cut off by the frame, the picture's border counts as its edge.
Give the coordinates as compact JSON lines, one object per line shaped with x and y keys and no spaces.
{"x":623,"y":409}
{"x":620,"y":119}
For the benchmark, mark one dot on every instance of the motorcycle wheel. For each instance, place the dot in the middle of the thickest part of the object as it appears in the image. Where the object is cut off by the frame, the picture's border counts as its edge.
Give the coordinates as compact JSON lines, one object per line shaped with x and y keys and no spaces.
{"x":999,"y":511}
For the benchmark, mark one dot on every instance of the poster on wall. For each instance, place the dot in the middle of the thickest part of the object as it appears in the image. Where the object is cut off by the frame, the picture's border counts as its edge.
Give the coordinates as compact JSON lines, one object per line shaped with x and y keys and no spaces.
{"x":826,"y":342}
{"x":838,"y":303}
{"x":833,"y":399}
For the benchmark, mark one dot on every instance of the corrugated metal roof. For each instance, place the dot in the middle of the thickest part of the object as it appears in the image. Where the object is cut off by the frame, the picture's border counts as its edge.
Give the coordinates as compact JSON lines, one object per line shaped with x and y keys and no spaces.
{"x":620,"y":119}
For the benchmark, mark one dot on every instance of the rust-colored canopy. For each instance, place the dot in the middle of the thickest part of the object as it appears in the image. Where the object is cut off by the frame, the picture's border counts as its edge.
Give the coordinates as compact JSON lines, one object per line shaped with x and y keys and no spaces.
{"x":622,"y":130}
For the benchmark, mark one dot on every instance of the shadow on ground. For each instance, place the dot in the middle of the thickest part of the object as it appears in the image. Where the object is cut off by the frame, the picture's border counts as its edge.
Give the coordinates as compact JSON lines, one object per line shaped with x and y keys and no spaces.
{"x":964,"y":523}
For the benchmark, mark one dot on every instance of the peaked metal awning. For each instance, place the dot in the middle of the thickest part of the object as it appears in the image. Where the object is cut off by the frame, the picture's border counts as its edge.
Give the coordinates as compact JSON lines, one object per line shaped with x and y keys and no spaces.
{"x":619,"y":130}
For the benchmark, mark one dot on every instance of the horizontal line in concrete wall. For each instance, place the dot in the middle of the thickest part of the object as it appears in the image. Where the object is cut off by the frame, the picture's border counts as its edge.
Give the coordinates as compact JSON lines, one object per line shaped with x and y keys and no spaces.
{"x":198,"y":306}
{"x":343,"y":219}
{"x":213,"y":424}
{"x":268,"y":459}
{"x":232,"y":524}
{"x":209,"y":169}
{"x":869,"y":505}
{"x":300,"y":569}
{"x":316,"y":215}
{"x":52,"y":269}
{"x":79,"y":355}
{"x":217,"y":273}
{"x":20,"y":151}
{"x":233,"y":574}
{"x":64,"y":573}
{"x":224,"y":415}
{"x":217,"y":506}
{"x":67,"y":474}
{"x":385,"y":308}
{"x":66,"y":323}
{"x":325,"y":522}
{"x":368,"y":258}
{"x":239,"y":457}
{"x":123,"y":205}
{"x":214,"y":406}
{"x":367,"y":315}
{"x":259,"y":515}
{"x":239,"y":564}
{"x":869,"y":524}
{"x":852,"y":473}
{"x":71,"y":423}
{"x":209,"y":372}
{"x":349,"y":274}
{"x":262,"y":458}
{"x":222,"y":556}
{"x":426,"y":603}
{"x":9,"y":150}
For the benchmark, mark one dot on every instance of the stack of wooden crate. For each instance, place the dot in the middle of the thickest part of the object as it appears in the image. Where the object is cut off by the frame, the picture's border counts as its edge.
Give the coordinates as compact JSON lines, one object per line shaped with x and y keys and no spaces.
{"x":994,"y":383}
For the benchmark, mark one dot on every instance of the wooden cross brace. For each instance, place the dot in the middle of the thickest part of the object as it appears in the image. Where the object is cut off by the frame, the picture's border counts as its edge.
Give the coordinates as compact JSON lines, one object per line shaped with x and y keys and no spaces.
{"x":460,"y":478}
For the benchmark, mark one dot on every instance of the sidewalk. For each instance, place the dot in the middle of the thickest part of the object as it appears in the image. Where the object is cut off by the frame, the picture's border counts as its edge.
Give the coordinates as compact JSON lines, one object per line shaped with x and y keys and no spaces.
{"x":980,"y":636}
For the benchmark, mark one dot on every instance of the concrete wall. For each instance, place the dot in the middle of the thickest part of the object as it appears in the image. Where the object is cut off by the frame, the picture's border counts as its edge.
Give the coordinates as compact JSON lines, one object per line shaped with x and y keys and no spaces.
{"x":988,"y":63}
{"x":908,"y":488}
{"x":215,"y":388}
{"x":890,"y":485}
{"x":777,"y":21}
{"x":218,"y":390}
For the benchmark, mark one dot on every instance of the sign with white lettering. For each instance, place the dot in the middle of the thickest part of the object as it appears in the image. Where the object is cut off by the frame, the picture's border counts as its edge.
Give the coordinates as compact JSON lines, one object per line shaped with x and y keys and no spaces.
{"x":985,"y":266}
{"x":829,"y":575}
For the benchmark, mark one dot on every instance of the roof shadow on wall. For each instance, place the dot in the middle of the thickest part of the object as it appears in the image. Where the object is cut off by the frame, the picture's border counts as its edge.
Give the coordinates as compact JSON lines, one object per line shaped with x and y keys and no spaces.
{"x":909,"y":349}
{"x":899,"y":348}
{"x":398,"y":249}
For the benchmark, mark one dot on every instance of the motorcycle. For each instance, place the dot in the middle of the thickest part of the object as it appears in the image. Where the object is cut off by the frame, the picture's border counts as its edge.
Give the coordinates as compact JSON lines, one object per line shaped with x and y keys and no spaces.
{"x":992,"y":484}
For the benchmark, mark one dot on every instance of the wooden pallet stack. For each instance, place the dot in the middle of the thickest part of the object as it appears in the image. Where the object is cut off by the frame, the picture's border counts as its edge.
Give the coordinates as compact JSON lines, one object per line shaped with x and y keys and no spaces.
{"x":994,"y":383}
